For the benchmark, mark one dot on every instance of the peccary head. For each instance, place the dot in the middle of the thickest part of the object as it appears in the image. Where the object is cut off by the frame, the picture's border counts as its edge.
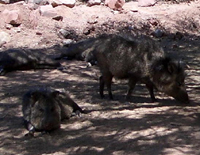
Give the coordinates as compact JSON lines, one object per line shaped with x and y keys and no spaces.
{"x":45,"y":111}
{"x":168,"y":76}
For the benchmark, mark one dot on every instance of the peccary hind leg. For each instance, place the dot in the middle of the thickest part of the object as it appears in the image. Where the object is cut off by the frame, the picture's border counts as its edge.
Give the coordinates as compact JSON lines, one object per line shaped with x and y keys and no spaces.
{"x":106,"y":79}
{"x":150,"y":89}
{"x":131,"y":83}
{"x":101,"y":86}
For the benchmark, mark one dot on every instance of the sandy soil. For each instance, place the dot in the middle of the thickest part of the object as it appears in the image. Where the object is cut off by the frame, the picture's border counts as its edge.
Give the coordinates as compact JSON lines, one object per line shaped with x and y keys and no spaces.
{"x":111,"y":127}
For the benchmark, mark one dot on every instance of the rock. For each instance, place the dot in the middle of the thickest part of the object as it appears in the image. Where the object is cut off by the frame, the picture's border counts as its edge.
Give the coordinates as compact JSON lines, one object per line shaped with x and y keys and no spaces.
{"x":56,"y":3}
{"x":94,"y":2}
{"x":68,"y":3}
{"x":12,"y":17}
{"x":4,"y":38}
{"x":67,"y":42}
{"x":158,"y":33}
{"x":146,"y":3}
{"x":8,"y":26}
{"x":64,"y":33}
{"x":58,"y":18}
{"x":33,"y":18}
{"x":17,"y":29}
{"x":38,"y":2}
{"x":4,"y":1}
{"x":93,"y":19}
{"x":67,"y":33}
{"x":47,"y":11}
{"x":88,"y":30}
{"x":115,"y":4}
{"x":153,"y":22}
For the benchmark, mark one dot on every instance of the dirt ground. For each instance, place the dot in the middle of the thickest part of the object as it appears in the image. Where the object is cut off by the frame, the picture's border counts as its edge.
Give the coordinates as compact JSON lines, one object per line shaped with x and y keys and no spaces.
{"x":111,"y":127}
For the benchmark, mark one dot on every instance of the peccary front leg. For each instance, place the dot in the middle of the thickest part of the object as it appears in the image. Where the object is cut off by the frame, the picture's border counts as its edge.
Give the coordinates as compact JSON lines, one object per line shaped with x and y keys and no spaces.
{"x":150,"y":89}
{"x":106,"y":79}
{"x":131,"y":84}
{"x":2,"y":70}
{"x":101,"y":86}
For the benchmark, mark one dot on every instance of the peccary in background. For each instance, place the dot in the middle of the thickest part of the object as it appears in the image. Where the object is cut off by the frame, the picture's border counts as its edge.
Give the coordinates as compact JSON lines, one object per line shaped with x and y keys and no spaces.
{"x":80,"y":51}
{"x":44,"y":108}
{"x":139,"y":59}
{"x":16,"y":59}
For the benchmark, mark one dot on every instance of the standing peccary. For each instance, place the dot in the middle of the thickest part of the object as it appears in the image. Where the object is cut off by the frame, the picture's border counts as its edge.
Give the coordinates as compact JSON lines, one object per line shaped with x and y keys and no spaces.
{"x":139,"y":59}
{"x":43,"y":109}
{"x":15,"y":59}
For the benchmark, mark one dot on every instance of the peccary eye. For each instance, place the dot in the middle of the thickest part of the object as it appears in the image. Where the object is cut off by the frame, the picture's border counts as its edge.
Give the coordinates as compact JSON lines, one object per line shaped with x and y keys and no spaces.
{"x":52,"y":109}
{"x":41,"y":110}
{"x":179,"y":83}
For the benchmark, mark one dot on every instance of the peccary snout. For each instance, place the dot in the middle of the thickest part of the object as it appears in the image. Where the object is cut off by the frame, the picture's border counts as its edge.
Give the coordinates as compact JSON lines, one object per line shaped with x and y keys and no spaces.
{"x":168,"y":76}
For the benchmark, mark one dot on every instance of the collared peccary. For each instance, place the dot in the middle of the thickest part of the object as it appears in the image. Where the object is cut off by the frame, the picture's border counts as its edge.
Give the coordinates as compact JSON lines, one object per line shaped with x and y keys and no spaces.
{"x":44,"y":108}
{"x":81,"y":50}
{"x":16,"y":59}
{"x":139,"y":59}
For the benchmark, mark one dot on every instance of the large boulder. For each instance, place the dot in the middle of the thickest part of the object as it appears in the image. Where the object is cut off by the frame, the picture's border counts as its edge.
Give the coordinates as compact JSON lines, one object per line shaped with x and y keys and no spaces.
{"x":5,"y":1}
{"x":146,"y":3}
{"x":12,"y":17}
{"x":47,"y":11}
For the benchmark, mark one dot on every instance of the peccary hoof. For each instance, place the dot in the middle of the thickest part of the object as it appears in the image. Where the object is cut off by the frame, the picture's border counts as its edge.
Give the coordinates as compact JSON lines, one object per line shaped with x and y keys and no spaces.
{"x":77,"y":113}
{"x":127,"y":98}
{"x":2,"y":71}
{"x":153,"y":100}
{"x":29,"y":134}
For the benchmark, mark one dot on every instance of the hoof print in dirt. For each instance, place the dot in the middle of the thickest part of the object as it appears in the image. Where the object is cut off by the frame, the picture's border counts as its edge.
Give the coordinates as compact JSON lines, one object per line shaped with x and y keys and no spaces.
{"x":17,"y":59}
{"x":139,"y":59}
{"x":44,"y":108}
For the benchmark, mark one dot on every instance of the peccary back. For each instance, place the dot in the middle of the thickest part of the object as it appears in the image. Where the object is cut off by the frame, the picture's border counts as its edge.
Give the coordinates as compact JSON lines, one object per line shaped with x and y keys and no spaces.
{"x":43,"y":109}
{"x":139,"y":59}
{"x":16,"y":59}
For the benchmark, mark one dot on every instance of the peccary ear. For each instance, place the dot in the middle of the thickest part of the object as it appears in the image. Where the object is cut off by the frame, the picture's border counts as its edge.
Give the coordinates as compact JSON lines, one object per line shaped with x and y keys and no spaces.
{"x":175,"y":66}
{"x":34,"y":97}
{"x":172,"y":67}
{"x":159,"y":68}
{"x":55,"y":94}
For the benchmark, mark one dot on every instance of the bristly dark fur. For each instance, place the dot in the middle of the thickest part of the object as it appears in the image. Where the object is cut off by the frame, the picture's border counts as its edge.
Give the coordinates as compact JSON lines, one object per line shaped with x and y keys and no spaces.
{"x":44,"y":108}
{"x":137,"y":59}
{"x":18,"y":59}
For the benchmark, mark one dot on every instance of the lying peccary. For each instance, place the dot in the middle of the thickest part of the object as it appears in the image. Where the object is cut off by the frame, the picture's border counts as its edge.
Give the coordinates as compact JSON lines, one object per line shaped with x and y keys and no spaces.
{"x":43,"y":109}
{"x":80,"y":51}
{"x":16,"y":59}
{"x":139,"y":59}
